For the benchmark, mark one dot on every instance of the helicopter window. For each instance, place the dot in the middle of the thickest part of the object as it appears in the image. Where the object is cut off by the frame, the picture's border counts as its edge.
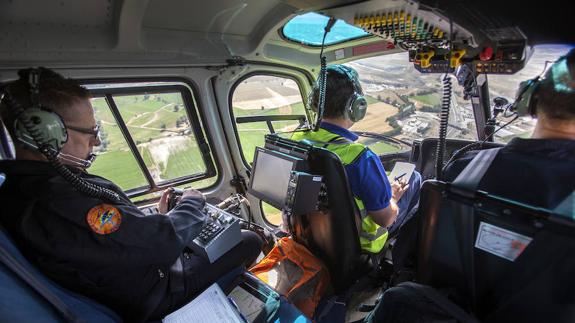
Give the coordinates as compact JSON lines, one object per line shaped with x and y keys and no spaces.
{"x":308,"y":28}
{"x":405,"y":104}
{"x":262,"y":104}
{"x":506,"y":86}
{"x":149,"y":138}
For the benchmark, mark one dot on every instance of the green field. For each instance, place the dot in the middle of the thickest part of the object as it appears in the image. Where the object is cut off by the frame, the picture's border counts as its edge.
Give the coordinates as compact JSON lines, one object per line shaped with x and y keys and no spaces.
{"x":432,"y":99}
{"x":150,"y":119}
{"x":380,"y":148}
{"x":371,"y":99}
{"x":120,"y":167}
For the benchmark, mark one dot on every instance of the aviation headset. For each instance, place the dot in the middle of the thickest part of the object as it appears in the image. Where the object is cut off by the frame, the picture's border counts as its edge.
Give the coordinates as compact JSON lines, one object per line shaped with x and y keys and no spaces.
{"x":43,"y":130}
{"x":559,"y":74}
{"x":35,"y":126}
{"x":356,"y":105}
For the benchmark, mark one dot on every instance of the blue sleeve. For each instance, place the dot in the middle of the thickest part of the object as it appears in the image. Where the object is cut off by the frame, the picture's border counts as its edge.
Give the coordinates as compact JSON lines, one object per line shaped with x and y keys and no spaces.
{"x":369,"y":182}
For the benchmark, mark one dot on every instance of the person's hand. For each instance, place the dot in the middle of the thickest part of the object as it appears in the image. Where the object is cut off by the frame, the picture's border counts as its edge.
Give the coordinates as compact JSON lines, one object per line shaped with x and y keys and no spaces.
{"x":188,"y":192}
{"x":398,"y":188}
{"x":163,"y":204}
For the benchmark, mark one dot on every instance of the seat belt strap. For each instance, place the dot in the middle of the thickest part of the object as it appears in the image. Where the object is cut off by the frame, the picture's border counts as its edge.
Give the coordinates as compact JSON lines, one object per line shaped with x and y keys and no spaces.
{"x":15,"y":266}
{"x":468,"y":180}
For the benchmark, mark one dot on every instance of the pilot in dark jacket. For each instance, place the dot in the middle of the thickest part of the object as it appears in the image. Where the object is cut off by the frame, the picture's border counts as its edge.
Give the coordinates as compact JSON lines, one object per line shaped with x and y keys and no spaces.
{"x":111,"y":251}
{"x":538,"y":171}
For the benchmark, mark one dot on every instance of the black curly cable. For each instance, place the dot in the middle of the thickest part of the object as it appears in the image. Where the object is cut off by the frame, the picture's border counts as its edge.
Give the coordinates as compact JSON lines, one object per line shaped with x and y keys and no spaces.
{"x":322,"y":75}
{"x":443,"y":123}
{"x":52,"y":156}
{"x":321,"y":99}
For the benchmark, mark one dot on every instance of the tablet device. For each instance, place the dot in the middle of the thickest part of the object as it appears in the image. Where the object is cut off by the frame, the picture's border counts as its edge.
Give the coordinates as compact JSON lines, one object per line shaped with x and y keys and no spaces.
{"x":401,"y":170}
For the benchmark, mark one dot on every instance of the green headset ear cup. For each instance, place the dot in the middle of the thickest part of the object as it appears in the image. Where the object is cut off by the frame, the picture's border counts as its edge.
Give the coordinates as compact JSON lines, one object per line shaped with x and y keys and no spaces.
{"x":49,"y":125}
{"x":357,"y":107}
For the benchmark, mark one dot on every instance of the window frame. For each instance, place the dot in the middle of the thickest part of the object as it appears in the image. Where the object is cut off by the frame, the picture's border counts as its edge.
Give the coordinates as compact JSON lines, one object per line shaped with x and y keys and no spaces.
{"x":231,"y":108}
{"x":192,"y":107}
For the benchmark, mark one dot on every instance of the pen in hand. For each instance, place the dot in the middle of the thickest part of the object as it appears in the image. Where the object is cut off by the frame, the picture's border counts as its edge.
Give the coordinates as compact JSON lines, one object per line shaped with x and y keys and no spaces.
{"x":399,"y":177}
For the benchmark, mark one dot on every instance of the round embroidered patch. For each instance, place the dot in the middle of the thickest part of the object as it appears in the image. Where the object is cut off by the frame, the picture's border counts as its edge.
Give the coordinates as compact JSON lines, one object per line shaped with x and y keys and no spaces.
{"x":104,"y":219}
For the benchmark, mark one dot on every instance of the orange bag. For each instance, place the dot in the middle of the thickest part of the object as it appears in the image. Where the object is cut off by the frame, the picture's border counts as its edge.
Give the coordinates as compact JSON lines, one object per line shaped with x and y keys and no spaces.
{"x":294,"y":272}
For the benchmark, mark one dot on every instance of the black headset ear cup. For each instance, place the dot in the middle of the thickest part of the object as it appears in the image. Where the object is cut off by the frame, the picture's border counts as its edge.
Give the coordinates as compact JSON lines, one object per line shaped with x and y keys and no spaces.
{"x":525,"y":99}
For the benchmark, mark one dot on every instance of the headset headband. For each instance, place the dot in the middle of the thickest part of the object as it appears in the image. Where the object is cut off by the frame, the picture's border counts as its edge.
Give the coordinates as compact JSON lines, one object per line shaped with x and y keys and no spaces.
{"x":351,"y":74}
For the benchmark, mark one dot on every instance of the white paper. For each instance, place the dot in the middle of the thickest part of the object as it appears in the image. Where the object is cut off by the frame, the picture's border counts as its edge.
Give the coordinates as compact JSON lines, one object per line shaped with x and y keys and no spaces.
{"x":210,"y":306}
{"x":249,"y":305}
{"x":500,"y":242}
{"x":339,"y":54}
{"x":401,"y":168}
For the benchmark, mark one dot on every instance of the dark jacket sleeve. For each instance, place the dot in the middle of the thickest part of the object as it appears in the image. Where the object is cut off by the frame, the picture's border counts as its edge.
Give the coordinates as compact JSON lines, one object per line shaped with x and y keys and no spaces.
{"x":188,"y":218}
{"x":138,"y":240}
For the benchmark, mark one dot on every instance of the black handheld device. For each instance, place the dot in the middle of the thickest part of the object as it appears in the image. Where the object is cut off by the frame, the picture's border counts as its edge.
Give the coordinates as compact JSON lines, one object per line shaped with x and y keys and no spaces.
{"x":175,"y":195}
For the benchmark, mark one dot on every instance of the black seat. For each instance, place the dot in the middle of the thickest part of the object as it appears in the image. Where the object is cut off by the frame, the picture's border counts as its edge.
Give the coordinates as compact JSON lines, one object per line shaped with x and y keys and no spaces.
{"x":331,"y":235}
{"x":499,"y":258}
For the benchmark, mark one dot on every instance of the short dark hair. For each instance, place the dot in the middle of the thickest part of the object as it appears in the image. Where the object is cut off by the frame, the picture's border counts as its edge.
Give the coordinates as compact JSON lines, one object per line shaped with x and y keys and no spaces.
{"x":554,"y":103}
{"x":56,"y":93}
{"x":338,"y":88}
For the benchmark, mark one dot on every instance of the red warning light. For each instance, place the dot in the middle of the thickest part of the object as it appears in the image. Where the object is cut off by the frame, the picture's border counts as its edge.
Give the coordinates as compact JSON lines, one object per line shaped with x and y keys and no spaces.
{"x":486,"y":54}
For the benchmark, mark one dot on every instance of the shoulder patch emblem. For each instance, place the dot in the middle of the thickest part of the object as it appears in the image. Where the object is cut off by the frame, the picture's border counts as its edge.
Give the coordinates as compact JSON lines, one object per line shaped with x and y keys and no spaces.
{"x":104,"y":219}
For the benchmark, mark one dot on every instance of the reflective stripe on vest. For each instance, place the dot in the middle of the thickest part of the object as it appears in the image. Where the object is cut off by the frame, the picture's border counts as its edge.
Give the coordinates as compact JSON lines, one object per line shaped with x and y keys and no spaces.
{"x":372,"y":237}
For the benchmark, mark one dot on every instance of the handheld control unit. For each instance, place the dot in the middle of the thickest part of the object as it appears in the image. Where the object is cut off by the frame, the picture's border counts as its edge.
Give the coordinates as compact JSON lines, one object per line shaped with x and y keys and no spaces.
{"x":220,"y":233}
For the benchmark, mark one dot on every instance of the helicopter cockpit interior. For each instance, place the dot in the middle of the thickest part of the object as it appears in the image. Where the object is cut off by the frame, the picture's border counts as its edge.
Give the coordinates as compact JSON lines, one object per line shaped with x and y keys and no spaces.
{"x":208,"y":95}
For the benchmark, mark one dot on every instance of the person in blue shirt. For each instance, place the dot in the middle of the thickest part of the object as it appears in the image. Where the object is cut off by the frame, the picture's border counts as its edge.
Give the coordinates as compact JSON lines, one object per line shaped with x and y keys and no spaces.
{"x":384,"y":206}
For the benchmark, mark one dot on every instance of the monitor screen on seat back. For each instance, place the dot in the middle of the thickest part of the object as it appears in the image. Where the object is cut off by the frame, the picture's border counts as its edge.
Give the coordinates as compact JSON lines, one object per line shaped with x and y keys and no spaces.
{"x":271,"y":174}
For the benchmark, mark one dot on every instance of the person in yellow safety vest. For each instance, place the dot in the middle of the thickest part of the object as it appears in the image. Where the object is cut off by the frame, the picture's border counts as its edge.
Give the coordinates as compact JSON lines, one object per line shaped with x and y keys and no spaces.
{"x":384,"y":207}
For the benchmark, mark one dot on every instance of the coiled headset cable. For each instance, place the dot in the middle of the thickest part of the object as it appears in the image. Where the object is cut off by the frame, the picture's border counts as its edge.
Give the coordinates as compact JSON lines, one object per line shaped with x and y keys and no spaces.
{"x":322,"y":79}
{"x":443,"y":124}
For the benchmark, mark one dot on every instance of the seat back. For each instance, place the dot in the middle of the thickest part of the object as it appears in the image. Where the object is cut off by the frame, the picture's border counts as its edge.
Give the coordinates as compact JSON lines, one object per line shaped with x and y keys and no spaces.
{"x":497,"y":256}
{"x":331,"y":234}
{"x":20,"y":302}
